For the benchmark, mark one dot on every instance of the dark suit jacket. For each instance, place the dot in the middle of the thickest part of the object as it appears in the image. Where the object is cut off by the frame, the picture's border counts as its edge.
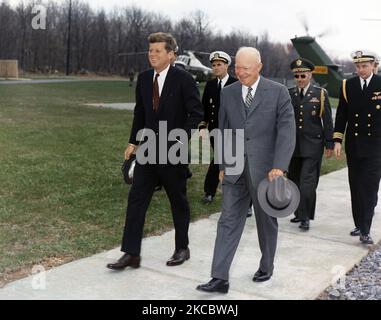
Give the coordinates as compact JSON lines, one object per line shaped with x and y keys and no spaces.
{"x":180,"y":103}
{"x":314,"y":125}
{"x":359,"y":116}
{"x":211,"y":102}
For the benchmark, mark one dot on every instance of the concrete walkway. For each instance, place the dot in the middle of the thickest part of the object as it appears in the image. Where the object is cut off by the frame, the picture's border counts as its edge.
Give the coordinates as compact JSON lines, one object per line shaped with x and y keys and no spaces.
{"x":306,"y":263}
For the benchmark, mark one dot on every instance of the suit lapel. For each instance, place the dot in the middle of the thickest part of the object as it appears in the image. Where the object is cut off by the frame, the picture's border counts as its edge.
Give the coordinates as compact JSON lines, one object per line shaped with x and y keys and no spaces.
{"x":240,"y":102}
{"x":371,"y":88}
{"x":147,"y":89}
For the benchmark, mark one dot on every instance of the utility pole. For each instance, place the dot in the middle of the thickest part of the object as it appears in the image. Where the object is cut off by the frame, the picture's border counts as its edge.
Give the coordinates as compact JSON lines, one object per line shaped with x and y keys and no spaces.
{"x":68,"y":42}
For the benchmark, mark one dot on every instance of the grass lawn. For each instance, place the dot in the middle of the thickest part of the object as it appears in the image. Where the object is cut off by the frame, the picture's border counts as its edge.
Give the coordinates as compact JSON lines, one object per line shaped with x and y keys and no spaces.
{"x":62,"y":196}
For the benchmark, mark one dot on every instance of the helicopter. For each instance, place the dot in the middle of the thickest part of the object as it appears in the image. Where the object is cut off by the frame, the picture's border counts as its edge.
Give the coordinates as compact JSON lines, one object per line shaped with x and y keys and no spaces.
{"x":327,"y":73}
{"x":188,"y":61}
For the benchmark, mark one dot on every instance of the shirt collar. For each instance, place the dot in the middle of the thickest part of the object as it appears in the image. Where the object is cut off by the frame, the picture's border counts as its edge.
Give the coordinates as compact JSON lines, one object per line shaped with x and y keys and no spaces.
{"x":305,"y":89}
{"x":223,"y":80}
{"x":254,"y":86}
{"x":367,"y":80}
{"x":163,"y":74}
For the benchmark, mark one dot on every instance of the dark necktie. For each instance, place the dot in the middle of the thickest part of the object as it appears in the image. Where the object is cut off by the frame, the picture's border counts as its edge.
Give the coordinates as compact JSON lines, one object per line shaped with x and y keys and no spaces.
{"x":364,"y":86}
{"x":155,"y":94}
{"x":249,"y":97}
{"x":301,"y":94}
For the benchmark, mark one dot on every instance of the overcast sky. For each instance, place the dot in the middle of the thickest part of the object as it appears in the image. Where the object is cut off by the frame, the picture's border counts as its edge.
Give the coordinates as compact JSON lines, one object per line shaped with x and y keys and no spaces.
{"x":281,"y":19}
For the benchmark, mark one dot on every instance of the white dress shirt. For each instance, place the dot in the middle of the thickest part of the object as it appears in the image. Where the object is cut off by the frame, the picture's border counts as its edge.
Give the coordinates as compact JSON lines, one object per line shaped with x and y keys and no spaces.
{"x":254,"y":87}
{"x":161,"y":79}
{"x":223,"y":81}
{"x":367,"y":81}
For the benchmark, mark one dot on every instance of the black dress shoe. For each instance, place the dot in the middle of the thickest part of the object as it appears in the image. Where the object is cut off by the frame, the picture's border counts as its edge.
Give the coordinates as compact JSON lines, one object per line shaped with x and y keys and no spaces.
{"x":304,"y":225}
{"x":125,"y":261}
{"x":261,"y":276}
{"x":214,"y":285}
{"x":366,"y":239}
{"x":207,"y":199}
{"x":295,"y":220}
{"x":355,"y":232}
{"x":179,"y":257}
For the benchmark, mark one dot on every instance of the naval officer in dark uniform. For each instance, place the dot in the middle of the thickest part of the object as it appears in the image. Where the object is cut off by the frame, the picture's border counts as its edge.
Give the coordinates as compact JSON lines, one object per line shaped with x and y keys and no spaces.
{"x":359,"y":117}
{"x":314,"y":133}
{"x":211,"y":101}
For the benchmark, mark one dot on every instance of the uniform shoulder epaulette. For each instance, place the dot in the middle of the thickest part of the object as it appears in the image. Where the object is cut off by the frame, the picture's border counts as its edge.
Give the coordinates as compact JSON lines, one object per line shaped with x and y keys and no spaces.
{"x":344,"y":86}
{"x":322,"y":101}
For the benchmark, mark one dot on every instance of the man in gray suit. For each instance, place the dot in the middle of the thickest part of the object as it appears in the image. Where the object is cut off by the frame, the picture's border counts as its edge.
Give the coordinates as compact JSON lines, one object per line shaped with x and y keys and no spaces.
{"x":263,"y":109}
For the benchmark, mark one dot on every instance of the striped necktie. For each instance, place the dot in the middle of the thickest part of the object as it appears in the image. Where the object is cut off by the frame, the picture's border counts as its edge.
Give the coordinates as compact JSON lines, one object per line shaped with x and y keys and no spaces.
{"x":249,"y":97}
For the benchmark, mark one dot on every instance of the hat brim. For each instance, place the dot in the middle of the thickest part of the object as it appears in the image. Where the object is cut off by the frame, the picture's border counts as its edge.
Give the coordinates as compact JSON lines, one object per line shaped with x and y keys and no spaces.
{"x":220,"y":59}
{"x":271,"y":211}
{"x":129,"y":164}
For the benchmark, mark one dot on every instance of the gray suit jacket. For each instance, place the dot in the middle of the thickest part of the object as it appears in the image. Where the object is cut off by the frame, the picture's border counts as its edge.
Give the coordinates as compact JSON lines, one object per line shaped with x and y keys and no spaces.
{"x":268,"y":126}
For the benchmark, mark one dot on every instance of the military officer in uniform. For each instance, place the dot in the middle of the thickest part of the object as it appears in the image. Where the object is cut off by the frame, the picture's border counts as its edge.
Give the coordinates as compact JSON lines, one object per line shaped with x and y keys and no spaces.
{"x":359,"y":117}
{"x":211,"y":101}
{"x":314,"y":133}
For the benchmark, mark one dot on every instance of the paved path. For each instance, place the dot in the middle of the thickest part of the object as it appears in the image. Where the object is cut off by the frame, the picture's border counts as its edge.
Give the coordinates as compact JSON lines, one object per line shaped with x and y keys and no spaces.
{"x":306,"y":263}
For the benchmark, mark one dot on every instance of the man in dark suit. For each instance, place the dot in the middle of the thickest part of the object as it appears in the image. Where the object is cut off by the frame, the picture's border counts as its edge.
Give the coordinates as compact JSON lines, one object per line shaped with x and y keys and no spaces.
{"x":359,"y":116}
{"x":164,"y":95}
{"x":211,"y":101}
{"x":314,"y":132}
{"x":256,"y":115}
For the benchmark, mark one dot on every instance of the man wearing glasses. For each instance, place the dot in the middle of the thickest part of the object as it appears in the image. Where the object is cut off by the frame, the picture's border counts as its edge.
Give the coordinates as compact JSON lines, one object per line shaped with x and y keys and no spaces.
{"x":314,"y":132}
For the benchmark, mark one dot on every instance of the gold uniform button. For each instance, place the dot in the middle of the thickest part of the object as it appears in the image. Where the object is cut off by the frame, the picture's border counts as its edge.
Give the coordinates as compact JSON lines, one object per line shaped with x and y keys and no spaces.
{"x":368,"y":125}
{"x":212,"y":121}
{"x":301,"y":113}
{"x":378,"y":107}
{"x":301,"y":107}
{"x":356,"y":134}
{"x":369,"y":115}
{"x":300,"y":120}
{"x":356,"y":124}
{"x":356,"y":115}
{"x":300,"y":127}
{"x":369,"y":134}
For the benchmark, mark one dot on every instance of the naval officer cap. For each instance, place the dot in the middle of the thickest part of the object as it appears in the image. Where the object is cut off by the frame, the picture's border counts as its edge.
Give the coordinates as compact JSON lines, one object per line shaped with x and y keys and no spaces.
{"x":359,"y":56}
{"x":220,"y":56}
{"x":302,"y":65}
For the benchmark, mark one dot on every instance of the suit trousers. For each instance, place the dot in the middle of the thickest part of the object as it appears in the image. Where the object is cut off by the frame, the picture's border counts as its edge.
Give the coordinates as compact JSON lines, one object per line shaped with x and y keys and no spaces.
{"x":235,"y":203}
{"x":364,"y":179}
{"x":212,"y":176}
{"x":305,"y":172}
{"x":146,"y":178}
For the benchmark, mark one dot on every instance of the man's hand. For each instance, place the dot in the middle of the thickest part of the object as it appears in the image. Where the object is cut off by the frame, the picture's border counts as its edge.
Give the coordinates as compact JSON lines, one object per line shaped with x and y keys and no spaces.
{"x":337,"y":150}
{"x":328,"y":153}
{"x":275,"y":173}
{"x":130,"y":150}
{"x":221,"y":175}
{"x":203,"y":133}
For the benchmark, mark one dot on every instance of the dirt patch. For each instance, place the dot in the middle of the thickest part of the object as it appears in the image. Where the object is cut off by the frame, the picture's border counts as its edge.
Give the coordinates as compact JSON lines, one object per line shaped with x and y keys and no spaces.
{"x":48,"y":263}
